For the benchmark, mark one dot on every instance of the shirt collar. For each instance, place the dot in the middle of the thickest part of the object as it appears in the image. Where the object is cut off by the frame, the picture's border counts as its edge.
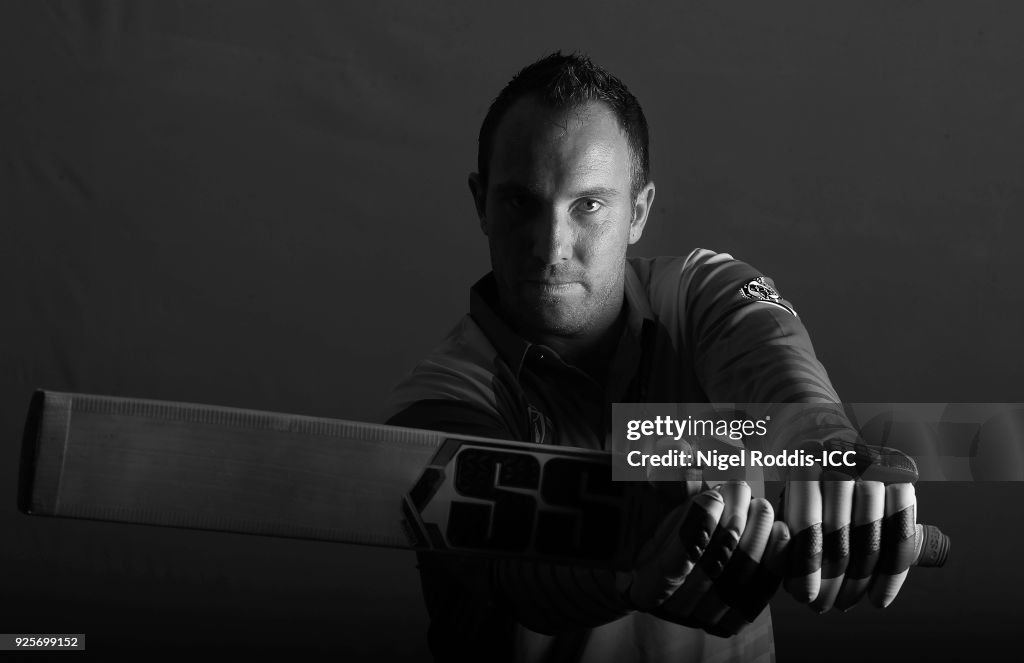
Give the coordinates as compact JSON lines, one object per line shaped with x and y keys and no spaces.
{"x":513,"y":348}
{"x":639,"y":307}
{"x":483,"y":308}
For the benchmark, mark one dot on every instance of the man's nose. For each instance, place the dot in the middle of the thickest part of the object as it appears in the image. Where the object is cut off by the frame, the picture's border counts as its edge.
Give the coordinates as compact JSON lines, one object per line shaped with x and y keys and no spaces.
{"x":552,"y":237}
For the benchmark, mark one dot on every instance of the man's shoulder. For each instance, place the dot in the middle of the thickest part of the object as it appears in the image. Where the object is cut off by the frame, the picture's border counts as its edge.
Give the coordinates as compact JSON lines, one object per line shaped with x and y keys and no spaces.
{"x":704,"y":288}
{"x":678,"y":271}
{"x":666,"y":279}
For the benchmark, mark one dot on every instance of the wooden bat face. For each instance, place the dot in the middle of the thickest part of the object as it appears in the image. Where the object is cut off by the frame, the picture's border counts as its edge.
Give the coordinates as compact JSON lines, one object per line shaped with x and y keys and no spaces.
{"x":232,"y":470}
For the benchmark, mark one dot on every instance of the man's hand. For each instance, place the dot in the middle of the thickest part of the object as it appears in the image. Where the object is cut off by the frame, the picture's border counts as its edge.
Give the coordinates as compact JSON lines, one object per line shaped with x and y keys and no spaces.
{"x":671,"y":555}
{"x":852,"y":535}
{"x":738,"y":573}
{"x":714,"y":563}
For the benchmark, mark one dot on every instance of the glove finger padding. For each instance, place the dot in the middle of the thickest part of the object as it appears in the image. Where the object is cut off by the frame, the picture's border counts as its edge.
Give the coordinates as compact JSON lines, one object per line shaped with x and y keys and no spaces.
{"x":730,"y":529}
{"x":898,"y":538}
{"x":803,"y":514}
{"x":837,"y":509}
{"x":761,"y":587}
{"x":716,"y":557}
{"x":666,"y":561}
{"x":865,"y":541}
{"x":729,"y":587}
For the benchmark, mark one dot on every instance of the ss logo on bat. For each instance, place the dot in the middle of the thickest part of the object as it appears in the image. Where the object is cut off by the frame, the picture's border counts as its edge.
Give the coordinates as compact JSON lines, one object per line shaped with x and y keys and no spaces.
{"x":522,"y":502}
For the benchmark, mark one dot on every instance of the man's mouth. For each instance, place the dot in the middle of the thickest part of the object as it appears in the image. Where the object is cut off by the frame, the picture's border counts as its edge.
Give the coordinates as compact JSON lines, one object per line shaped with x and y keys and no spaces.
{"x":553,"y":287}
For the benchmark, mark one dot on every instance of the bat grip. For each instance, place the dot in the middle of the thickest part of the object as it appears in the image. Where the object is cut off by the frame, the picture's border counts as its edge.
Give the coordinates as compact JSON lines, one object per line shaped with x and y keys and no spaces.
{"x":931,"y":546}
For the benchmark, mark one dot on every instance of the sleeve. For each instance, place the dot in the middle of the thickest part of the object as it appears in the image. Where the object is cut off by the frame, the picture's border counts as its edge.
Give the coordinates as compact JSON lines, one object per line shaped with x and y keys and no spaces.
{"x":472,"y":601}
{"x":749,"y":346}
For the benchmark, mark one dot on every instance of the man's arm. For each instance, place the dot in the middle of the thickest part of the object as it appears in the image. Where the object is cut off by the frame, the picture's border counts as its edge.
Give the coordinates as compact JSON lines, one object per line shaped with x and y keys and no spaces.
{"x":750,"y":347}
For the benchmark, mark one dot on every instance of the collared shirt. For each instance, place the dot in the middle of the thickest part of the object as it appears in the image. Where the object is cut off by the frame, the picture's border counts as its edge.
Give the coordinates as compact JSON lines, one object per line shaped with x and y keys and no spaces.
{"x":705,"y":328}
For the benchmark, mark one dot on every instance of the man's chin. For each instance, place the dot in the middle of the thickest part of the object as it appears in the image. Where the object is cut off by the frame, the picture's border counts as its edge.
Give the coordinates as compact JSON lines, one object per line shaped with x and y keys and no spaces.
{"x":551,"y":323}
{"x":537,"y":313}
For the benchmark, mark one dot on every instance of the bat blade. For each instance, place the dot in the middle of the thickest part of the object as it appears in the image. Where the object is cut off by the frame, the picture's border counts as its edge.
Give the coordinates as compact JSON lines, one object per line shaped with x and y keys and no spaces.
{"x":245,"y":471}
{"x":218,"y":468}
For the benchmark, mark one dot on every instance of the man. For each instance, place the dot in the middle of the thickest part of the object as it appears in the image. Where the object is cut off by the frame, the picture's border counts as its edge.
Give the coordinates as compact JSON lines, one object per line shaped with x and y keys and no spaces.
{"x":563,"y":326}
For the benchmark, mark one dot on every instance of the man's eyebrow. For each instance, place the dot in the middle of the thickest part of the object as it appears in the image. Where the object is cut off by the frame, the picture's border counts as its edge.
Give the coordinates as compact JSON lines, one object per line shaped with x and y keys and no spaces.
{"x":513,"y":188}
{"x":598,"y":192}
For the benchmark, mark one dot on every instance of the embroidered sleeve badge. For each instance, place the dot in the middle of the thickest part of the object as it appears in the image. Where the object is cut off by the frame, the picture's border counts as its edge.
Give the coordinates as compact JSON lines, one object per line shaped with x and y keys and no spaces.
{"x":762,"y":289}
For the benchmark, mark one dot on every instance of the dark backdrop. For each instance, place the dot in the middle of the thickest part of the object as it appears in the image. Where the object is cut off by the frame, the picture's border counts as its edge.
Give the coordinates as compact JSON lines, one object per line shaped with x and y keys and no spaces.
{"x":264,"y":205}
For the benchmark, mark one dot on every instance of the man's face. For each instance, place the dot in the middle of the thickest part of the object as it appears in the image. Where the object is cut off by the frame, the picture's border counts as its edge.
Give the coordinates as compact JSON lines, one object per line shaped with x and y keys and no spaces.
{"x":558,"y":216}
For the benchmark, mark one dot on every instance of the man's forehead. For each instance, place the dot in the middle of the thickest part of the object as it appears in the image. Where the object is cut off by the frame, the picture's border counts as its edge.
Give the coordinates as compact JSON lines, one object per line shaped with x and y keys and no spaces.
{"x":587,"y":136}
{"x":529,"y":118}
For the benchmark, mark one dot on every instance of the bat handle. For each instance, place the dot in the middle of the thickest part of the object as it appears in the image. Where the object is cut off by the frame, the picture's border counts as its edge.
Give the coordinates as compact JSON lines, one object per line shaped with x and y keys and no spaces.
{"x":931,"y":546}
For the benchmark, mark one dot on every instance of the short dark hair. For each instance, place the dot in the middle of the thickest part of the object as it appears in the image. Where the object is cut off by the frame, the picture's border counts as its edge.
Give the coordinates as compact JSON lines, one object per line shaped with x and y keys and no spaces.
{"x":565,"y":82}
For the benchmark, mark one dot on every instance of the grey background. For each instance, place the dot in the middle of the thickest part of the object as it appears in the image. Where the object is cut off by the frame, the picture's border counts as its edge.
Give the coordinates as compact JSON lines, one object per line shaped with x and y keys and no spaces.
{"x":264,"y":205}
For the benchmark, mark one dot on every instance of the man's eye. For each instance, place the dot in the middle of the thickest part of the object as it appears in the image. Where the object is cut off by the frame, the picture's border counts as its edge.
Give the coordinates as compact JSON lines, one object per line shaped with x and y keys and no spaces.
{"x":589,"y":205}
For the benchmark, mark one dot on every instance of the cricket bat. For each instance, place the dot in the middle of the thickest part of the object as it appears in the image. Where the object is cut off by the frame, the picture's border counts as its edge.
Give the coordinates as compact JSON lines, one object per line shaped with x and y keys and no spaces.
{"x":234,"y":470}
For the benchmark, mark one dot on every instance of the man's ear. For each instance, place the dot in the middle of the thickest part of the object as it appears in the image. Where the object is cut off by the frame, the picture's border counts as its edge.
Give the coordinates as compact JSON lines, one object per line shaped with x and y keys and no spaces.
{"x":641,"y":209}
{"x":476,"y":187}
